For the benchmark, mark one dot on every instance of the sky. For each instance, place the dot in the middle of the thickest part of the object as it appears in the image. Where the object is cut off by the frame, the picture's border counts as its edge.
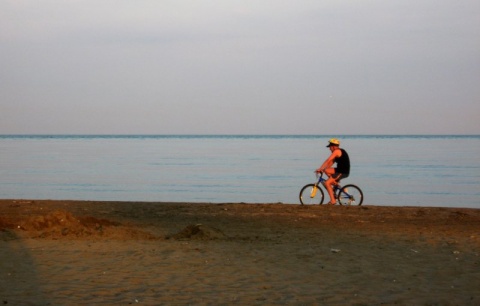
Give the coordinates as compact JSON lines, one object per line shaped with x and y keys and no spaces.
{"x":240,"y":67}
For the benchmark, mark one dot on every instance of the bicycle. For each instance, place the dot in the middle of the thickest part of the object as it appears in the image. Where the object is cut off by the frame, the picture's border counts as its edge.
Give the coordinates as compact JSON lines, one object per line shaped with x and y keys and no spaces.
{"x":311,"y":194}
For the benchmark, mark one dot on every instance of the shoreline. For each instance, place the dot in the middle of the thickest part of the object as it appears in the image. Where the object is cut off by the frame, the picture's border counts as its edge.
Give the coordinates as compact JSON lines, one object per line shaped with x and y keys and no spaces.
{"x":110,"y":252}
{"x":146,"y":202}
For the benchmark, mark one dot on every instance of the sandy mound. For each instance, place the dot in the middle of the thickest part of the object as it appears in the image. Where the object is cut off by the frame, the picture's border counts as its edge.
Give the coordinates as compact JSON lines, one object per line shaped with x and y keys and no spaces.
{"x":62,"y":224}
{"x":198,"y":232}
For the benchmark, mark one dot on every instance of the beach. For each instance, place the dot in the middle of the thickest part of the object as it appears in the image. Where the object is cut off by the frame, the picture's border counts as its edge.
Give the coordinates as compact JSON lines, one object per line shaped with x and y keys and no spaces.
{"x":123,"y":253}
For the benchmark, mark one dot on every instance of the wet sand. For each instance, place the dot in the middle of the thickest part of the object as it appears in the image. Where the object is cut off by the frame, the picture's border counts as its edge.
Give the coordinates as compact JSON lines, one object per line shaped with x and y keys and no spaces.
{"x":123,"y":253}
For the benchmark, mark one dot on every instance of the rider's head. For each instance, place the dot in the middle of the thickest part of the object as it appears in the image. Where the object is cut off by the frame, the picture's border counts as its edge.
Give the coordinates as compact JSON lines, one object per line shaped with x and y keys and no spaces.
{"x":333,"y":142}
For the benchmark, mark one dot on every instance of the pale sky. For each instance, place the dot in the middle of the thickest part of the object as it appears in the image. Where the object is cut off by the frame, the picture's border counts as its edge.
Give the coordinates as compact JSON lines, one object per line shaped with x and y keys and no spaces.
{"x":240,"y":67}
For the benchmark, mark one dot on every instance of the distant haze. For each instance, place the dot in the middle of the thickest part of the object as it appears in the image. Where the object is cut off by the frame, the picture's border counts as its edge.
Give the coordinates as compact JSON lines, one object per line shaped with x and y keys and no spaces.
{"x":240,"y":67}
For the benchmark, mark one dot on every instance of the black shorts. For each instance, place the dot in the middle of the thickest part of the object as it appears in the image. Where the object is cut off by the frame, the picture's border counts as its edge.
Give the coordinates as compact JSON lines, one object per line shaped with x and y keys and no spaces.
{"x":338,"y":176}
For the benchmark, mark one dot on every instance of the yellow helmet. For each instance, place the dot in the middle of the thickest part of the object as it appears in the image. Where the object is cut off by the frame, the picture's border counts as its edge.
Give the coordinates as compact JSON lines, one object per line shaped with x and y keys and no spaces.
{"x":333,"y":142}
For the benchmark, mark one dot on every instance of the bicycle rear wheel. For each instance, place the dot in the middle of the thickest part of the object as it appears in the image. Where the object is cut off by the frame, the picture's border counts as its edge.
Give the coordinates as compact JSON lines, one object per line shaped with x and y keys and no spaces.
{"x":350,"y":195}
{"x":310,"y":196}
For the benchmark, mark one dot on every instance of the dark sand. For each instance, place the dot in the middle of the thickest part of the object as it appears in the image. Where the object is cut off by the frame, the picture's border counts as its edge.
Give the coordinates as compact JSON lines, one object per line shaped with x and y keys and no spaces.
{"x":121,"y":253}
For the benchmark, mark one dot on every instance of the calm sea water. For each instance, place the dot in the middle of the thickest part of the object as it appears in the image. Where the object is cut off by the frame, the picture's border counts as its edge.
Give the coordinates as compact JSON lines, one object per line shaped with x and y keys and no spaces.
{"x":392,"y":170}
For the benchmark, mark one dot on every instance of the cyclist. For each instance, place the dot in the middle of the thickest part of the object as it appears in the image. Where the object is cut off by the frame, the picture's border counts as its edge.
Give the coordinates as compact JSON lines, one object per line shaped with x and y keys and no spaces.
{"x":340,"y":157}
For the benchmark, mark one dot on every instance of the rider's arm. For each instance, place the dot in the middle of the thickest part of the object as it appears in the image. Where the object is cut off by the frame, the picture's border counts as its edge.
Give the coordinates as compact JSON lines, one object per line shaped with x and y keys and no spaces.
{"x":329,"y":161}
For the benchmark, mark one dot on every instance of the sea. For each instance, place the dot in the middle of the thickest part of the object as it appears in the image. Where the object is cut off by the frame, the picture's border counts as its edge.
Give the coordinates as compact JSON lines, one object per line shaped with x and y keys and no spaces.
{"x":392,"y":170}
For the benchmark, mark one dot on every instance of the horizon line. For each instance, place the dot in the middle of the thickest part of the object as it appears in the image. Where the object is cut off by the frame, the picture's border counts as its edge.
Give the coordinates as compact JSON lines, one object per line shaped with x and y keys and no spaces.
{"x":217,"y":135}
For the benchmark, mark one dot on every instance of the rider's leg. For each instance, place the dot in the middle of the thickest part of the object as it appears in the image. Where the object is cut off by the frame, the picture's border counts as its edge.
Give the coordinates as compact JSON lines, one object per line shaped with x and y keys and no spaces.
{"x":330,"y":172}
{"x":329,"y":186}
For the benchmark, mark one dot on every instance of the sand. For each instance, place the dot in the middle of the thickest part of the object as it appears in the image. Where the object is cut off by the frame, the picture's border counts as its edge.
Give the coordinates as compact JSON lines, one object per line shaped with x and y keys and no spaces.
{"x":124,"y":253}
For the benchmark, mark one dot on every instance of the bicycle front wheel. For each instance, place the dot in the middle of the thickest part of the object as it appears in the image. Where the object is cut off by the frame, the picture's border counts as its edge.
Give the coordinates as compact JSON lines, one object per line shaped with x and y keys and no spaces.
{"x":350,"y":195}
{"x":311,"y":194}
